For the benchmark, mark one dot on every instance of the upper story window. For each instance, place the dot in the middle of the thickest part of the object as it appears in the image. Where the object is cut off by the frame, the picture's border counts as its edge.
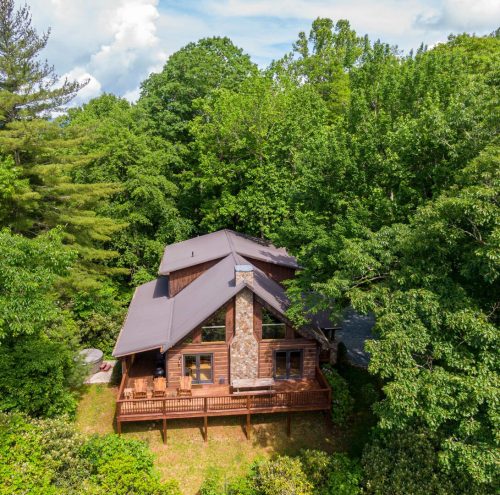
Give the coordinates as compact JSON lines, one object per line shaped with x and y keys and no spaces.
{"x":272,"y":328}
{"x":214,"y":329}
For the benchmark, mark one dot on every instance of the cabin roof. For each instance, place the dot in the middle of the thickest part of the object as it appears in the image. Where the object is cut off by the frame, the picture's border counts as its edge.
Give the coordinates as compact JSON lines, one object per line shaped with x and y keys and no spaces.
{"x":218,"y":245}
{"x":156,"y":320}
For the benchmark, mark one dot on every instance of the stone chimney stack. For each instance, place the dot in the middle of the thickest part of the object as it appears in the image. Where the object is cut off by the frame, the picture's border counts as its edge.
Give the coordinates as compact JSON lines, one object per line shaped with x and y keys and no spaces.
{"x":244,"y":346}
{"x":243,"y":273}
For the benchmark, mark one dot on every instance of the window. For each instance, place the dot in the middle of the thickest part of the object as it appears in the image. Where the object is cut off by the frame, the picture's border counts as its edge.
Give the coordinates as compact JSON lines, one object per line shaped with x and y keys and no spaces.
{"x":287,"y":364}
{"x":214,"y":329}
{"x":272,"y":328}
{"x":199,"y":367}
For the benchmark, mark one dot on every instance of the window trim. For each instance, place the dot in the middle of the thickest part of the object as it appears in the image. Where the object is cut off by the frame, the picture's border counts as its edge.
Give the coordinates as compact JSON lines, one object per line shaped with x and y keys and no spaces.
{"x":287,"y":376}
{"x":198,"y":355}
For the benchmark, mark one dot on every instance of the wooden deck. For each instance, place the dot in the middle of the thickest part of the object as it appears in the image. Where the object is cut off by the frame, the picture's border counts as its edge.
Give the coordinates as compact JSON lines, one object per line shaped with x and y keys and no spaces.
{"x":287,"y":396}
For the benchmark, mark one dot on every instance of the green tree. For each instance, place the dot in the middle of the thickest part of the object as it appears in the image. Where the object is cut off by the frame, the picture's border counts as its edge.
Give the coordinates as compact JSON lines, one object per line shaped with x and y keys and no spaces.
{"x":248,"y":142}
{"x":38,"y":373}
{"x":27,"y":85}
{"x":126,"y":153}
{"x":193,"y":72}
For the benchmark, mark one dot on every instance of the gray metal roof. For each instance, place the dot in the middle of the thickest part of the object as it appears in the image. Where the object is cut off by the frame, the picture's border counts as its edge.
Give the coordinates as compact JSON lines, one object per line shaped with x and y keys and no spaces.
{"x":155,"y":320}
{"x":218,"y":245}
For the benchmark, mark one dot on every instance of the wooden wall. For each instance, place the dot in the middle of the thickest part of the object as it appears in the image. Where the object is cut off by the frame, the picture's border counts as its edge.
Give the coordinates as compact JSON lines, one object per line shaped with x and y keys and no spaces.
{"x":277,"y":273}
{"x":220,"y":352}
{"x":309,"y":348}
{"x":181,"y":278}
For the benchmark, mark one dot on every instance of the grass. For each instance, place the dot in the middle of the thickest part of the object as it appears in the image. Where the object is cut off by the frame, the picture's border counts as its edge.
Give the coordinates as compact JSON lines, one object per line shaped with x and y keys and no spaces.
{"x":187,"y":458}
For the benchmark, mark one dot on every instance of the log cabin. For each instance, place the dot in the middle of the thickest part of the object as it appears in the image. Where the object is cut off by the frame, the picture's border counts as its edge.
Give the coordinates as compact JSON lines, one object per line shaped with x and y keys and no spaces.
{"x":214,"y":322}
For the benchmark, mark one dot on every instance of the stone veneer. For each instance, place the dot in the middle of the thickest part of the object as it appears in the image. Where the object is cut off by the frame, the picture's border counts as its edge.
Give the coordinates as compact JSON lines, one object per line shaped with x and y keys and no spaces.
{"x":244,"y":346}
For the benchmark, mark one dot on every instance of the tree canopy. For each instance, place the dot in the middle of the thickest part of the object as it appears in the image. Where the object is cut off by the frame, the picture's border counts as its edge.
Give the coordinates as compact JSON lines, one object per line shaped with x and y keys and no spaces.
{"x":379,"y":171}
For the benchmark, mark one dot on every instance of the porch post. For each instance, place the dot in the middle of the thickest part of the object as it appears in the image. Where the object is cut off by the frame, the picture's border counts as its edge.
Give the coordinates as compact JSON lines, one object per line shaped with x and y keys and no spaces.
{"x":119,"y":426}
{"x":249,"y":427}
{"x":205,"y":427}
{"x":165,"y":431}
{"x":289,"y":425}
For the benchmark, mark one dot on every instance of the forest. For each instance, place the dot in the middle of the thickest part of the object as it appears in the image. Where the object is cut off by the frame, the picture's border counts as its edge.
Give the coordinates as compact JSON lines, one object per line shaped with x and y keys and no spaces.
{"x":379,"y":171}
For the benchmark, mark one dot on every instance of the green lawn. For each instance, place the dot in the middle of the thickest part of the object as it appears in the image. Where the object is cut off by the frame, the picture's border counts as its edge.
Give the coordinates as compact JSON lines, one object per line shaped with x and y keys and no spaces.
{"x":187,"y":458}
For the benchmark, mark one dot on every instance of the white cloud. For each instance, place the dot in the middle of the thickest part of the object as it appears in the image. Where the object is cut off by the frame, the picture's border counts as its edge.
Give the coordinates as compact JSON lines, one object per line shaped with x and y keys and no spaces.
{"x":117,"y":43}
{"x":133,"y":94}
{"x":462,"y":15}
{"x":112,"y":41}
{"x":92,"y":89}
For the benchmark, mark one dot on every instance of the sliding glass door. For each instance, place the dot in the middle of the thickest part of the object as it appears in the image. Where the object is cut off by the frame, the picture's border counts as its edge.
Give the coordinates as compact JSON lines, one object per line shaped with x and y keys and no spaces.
{"x":287,"y":364}
{"x":199,"y":367}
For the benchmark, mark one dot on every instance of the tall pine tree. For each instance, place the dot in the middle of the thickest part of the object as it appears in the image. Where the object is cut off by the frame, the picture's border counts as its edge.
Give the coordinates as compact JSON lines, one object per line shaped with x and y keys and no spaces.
{"x":39,"y":156}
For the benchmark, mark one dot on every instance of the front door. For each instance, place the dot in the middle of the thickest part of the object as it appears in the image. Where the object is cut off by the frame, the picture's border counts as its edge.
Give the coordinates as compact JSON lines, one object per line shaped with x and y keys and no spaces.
{"x":199,"y":367}
{"x":287,"y":364}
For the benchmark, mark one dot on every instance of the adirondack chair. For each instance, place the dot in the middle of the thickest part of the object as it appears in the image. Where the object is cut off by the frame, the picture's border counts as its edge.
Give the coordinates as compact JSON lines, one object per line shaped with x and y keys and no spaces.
{"x":184,"y":389}
{"x":159,"y":387}
{"x":140,"y":389}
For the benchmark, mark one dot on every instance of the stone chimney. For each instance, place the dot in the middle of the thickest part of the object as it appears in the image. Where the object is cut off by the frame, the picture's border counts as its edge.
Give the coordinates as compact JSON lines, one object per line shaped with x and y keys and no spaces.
{"x":243,"y":273}
{"x":244,"y":346}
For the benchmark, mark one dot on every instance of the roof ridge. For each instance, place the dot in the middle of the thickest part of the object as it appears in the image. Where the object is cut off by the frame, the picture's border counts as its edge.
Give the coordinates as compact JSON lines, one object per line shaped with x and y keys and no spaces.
{"x":229,"y":241}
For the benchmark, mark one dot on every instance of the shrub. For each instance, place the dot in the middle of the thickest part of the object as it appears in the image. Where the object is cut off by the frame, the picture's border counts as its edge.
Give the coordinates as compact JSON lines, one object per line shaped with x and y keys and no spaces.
{"x":345,"y":476}
{"x":212,"y":484}
{"x":331,"y":474}
{"x":36,"y":376}
{"x":342,"y":401}
{"x":48,"y":457}
{"x":404,"y":462}
{"x":281,"y":476}
{"x":23,"y":466}
{"x":121,"y":466}
{"x":316,"y":466}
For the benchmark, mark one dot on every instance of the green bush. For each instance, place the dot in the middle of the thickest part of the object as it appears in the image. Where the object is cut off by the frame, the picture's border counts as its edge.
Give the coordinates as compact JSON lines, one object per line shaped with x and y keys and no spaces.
{"x":212,"y":484}
{"x":281,"y":476}
{"x":121,"y":466}
{"x":342,"y":401}
{"x":43,"y":457}
{"x":331,"y":474}
{"x":38,"y":377}
{"x":405,"y":462}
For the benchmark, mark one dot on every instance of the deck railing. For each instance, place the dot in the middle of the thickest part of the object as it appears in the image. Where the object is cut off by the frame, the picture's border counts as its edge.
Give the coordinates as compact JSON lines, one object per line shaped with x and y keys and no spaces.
{"x":226,"y":404}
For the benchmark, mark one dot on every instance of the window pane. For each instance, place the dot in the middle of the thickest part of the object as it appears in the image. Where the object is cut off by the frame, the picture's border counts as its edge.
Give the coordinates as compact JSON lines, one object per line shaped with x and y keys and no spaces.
{"x":205,"y":367}
{"x":213,"y":334}
{"x":273,"y":331}
{"x":217,"y":319}
{"x":280,"y":364}
{"x":272,"y":328}
{"x":190,"y":366}
{"x":295,"y":364}
{"x":214,"y":329}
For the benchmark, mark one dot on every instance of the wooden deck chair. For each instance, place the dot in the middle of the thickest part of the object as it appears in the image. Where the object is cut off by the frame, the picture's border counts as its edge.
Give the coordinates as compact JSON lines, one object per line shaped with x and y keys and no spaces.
{"x":185,"y":386}
{"x":160,"y":387}
{"x":140,"y":389}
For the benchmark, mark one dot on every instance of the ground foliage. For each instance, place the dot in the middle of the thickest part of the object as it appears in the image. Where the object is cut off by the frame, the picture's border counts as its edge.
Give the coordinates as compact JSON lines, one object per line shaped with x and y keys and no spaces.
{"x":379,"y":171}
{"x":51,"y":457}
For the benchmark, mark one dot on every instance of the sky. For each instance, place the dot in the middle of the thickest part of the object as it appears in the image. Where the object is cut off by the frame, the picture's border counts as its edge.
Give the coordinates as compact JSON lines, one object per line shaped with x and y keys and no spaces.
{"x":116,"y":44}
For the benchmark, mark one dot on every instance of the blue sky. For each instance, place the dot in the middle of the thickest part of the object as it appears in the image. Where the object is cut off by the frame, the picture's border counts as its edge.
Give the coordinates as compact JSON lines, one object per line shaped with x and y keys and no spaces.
{"x":117,"y":43}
